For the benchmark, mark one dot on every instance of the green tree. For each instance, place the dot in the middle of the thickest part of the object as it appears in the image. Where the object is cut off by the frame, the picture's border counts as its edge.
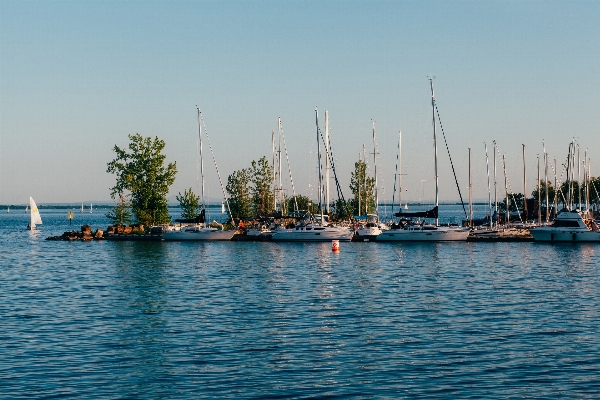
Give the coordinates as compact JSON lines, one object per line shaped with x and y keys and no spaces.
{"x":304,"y":204}
{"x":261,"y":176}
{"x":121,"y":213}
{"x":142,"y":173}
{"x":362,"y":187}
{"x":516,"y":202}
{"x":189,"y":203}
{"x":238,"y":187}
{"x":541,"y":190}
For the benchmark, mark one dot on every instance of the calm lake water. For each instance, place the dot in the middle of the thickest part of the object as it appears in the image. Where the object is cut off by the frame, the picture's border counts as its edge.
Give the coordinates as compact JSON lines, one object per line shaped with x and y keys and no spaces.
{"x":285,"y":320}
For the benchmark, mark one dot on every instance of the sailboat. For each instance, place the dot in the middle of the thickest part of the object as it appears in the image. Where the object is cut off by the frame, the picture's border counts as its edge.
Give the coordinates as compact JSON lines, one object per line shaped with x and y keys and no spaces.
{"x":196,"y":229}
{"x":8,"y":209}
{"x":313,"y":228}
{"x":82,"y":207}
{"x":90,"y":208}
{"x":371,"y":228}
{"x":26,"y":208}
{"x":34,"y":215}
{"x":406,"y":230}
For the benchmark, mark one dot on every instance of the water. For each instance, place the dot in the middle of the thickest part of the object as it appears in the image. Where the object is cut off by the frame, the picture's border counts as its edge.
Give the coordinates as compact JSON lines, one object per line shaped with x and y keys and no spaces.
{"x":286,"y":320}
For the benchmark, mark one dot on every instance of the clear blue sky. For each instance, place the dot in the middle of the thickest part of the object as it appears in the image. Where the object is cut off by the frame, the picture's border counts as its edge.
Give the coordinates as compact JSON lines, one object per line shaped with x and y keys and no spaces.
{"x":77,"y":77}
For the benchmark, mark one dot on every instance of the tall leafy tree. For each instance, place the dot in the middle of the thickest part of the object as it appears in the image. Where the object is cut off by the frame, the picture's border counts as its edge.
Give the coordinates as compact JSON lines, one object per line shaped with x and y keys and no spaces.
{"x":189,"y":203}
{"x":362,"y":187}
{"x":541,"y":190}
{"x":304,"y":204}
{"x":238,"y":187}
{"x":142,"y":173}
{"x":261,"y":176}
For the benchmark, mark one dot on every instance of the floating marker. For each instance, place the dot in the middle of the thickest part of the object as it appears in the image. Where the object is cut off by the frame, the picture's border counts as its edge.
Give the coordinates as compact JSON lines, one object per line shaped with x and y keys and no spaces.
{"x":335,"y":245}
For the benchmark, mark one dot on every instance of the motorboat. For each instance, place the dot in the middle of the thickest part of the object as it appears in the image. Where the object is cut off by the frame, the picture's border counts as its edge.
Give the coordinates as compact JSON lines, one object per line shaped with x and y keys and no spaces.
{"x":367,"y":231}
{"x":569,"y":226}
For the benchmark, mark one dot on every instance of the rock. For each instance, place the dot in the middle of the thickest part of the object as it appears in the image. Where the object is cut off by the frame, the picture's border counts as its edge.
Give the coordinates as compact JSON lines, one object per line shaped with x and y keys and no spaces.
{"x":127,"y":230}
{"x":98,"y":234}
{"x":86,"y":229}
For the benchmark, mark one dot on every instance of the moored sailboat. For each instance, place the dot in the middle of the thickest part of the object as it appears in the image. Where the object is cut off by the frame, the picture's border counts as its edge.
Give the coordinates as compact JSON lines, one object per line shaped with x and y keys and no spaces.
{"x":408,"y":230}
{"x":196,"y":230}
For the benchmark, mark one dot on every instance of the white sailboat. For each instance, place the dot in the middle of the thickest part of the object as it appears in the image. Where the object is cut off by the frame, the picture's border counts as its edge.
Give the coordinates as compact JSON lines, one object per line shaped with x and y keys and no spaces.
{"x":90,"y":208}
{"x":82,"y":207}
{"x":26,"y":208}
{"x":7,"y":209}
{"x":34,"y":215}
{"x":312,"y":229}
{"x":411,"y":231}
{"x":198,"y":231}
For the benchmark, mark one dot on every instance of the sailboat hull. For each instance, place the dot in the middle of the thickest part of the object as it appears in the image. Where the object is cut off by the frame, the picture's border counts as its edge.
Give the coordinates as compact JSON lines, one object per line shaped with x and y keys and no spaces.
{"x":198,"y":234}
{"x":437,"y":234}
{"x":319,"y":234}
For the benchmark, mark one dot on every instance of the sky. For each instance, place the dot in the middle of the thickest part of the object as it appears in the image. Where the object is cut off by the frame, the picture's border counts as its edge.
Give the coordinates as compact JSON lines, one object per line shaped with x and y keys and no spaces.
{"x":77,"y":77}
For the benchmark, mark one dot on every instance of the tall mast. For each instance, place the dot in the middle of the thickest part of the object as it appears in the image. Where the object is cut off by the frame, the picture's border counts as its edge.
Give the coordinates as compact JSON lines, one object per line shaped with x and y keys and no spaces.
{"x":280,"y":188}
{"x":359,"y":189}
{"x":555,"y":188}
{"x":506,"y":191}
{"x":539,"y":193}
{"x":327,"y":167}
{"x":435,"y":148}
{"x":201,"y":160}
{"x":375,"y":167}
{"x":319,"y":159}
{"x":495,"y":182}
{"x":470,"y":192}
{"x":525,"y":187}
{"x":546,"y":181}
{"x":578,"y":177}
{"x":273,"y":155}
{"x":487,"y":168}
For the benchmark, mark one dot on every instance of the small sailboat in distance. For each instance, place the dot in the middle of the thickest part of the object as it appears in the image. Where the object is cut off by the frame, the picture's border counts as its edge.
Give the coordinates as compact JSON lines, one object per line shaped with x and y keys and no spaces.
{"x":82,"y":207}
{"x":90,"y":208}
{"x":34,"y":215}
{"x":26,"y":208}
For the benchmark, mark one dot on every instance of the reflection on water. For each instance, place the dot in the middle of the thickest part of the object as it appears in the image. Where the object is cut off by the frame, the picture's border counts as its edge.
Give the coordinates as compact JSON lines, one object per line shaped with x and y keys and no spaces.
{"x":231,"y":320}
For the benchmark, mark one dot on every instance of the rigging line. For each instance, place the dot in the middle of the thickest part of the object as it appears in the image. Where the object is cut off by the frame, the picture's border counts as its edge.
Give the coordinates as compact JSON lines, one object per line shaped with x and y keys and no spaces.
{"x":217,"y":168}
{"x":331,"y":161}
{"x":395,"y":179}
{"x":289,"y":169}
{"x":450,"y":157}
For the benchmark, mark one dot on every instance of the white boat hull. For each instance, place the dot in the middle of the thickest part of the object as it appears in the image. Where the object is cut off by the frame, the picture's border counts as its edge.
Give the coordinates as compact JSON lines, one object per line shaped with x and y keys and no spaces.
{"x":440,"y":234}
{"x":312,"y":235}
{"x":201,"y":234}
{"x":549,"y":234}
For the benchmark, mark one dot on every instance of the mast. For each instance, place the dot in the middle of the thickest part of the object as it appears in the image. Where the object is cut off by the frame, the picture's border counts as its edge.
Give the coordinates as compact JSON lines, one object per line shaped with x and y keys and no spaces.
{"x":578,"y":177}
{"x":525,"y":208}
{"x":400,"y":166}
{"x":495,"y":181}
{"x":320,"y":174}
{"x":327,"y":167}
{"x":539,"y":193}
{"x":470,"y":192}
{"x":201,"y":160}
{"x":280,"y":189}
{"x":546,"y":180}
{"x":507,"y":222}
{"x":435,"y":149}
{"x":273,"y":155}
{"x":375,"y":167}
{"x":359,"y":164}
{"x":487,"y":168}
{"x":555,"y":188}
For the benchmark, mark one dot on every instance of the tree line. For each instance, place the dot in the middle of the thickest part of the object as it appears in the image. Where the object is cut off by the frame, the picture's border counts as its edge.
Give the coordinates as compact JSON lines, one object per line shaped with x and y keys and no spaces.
{"x":143,"y":181}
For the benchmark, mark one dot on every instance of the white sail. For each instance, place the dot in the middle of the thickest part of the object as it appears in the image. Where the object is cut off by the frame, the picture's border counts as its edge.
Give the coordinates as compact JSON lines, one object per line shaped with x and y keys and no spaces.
{"x":34,"y":214}
{"x":90,"y":208}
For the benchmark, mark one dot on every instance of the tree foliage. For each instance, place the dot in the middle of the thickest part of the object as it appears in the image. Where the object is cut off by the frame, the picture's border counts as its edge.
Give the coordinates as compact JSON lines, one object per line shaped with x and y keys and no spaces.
{"x":240,"y":202}
{"x":541,"y":190}
{"x":142,"y":173}
{"x":189,"y":203}
{"x":362,"y":187}
{"x":304,"y":204}
{"x":121,"y":213}
{"x":261,"y":176}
